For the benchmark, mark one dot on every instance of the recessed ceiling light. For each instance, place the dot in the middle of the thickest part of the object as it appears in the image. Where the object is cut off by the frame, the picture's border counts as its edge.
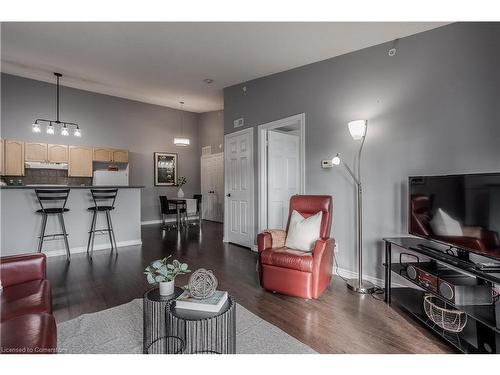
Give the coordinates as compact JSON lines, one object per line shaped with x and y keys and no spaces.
{"x":208,"y":81}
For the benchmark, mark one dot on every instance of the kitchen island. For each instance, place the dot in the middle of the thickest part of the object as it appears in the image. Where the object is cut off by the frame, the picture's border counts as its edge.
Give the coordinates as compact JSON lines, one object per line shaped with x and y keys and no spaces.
{"x":20,"y":224}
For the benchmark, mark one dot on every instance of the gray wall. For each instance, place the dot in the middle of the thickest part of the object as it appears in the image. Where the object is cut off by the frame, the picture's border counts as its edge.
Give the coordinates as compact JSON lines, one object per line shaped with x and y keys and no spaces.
{"x":432,"y":109}
{"x":211,"y":130}
{"x":106,"y":121}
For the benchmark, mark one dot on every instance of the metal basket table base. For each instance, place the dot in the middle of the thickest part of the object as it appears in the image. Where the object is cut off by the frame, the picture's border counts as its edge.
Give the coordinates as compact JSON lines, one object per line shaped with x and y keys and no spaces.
{"x":155,"y":340}
{"x":204,"y":333}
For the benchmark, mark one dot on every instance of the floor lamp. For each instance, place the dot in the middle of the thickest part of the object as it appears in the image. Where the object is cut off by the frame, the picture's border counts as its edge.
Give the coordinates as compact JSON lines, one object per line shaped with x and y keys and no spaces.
{"x":357,"y":129}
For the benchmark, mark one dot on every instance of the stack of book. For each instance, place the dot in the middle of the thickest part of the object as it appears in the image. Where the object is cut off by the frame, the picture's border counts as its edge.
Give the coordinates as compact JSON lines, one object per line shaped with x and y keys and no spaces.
{"x":211,"y":304}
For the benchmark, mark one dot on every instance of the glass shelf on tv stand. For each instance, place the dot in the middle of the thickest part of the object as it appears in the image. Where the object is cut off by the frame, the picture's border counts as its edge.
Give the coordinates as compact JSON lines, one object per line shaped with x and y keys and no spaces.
{"x":438,"y":252}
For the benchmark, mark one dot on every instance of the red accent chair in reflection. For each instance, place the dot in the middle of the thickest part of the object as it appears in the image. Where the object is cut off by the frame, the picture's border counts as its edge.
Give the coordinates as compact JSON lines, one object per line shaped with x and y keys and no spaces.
{"x":475,"y":238}
{"x":27,"y":325}
{"x":293,"y":272}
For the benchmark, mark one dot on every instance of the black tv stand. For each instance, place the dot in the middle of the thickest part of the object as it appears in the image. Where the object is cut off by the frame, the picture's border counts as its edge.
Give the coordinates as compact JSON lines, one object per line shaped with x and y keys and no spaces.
{"x":461,"y":254}
{"x":481,"y":334}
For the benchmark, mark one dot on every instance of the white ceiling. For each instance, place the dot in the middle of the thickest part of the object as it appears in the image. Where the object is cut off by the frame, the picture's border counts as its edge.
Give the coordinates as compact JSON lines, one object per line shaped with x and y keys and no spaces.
{"x":165,"y":63}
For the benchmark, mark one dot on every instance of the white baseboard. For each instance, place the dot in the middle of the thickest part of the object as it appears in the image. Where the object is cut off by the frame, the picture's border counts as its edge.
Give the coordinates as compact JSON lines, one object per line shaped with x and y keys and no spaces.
{"x":168,"y":220}
{"x":149,"y":222}
{"x":347,"y":274}
{"x":83,"y":249}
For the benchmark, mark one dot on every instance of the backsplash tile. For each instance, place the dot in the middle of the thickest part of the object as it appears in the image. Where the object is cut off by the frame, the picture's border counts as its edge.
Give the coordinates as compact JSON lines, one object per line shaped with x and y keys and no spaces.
{"x":35,"y":176}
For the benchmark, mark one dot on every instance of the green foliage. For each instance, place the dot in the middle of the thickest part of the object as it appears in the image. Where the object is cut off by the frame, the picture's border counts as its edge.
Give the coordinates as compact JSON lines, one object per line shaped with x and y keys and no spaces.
{"x":161,"y":271}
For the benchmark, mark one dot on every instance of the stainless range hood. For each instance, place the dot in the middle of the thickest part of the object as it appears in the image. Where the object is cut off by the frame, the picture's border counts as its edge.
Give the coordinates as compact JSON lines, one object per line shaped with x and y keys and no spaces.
{"x":45,"y":165}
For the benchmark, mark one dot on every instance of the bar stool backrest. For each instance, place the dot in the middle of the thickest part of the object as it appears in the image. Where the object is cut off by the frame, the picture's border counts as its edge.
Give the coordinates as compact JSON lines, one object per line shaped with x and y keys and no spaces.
{"x":52,"y":198}
{"x":104,"y":197}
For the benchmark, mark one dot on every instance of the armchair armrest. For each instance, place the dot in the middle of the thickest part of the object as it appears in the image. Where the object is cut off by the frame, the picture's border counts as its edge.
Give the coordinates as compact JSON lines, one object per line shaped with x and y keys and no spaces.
{"x":264,"y":241}
{"x":271,"y":238}
{"x":17,"y":269}
{"x":322,"y":264}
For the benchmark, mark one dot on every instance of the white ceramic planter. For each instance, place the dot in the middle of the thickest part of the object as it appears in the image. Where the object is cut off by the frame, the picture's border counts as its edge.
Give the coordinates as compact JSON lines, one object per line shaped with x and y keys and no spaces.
{"x":166,"y":288}
{"x":180,"y":193}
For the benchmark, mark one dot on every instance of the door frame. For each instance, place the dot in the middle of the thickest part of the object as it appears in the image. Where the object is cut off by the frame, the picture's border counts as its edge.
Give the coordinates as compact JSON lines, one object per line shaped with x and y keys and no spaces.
{"x":262,"y":161}
{"x":251,"y":212}
{"x":205,"y":157}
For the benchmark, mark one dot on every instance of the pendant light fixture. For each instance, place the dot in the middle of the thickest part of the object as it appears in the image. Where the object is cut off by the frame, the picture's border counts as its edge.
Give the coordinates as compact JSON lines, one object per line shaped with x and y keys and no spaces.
{"x":182,"y":141}
{"x":36,"y":128}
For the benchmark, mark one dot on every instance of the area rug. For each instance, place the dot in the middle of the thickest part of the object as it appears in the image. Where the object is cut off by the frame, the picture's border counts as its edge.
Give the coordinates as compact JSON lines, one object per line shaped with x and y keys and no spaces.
{"x":119,"y":331}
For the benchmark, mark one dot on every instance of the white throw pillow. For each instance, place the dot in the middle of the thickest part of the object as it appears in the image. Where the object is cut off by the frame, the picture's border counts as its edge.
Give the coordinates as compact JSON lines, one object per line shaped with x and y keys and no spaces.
{"x":443,"y":224}
{"x":303,"y":233}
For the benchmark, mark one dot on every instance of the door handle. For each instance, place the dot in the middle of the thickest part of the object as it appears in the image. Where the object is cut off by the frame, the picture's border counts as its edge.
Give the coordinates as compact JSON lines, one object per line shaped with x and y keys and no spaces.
{"x":228,"y":195}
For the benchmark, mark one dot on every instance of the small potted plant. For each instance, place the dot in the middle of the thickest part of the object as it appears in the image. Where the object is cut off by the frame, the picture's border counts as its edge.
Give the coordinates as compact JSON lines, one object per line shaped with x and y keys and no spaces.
{"x":164,"y":274}
{"x":181,"y":181}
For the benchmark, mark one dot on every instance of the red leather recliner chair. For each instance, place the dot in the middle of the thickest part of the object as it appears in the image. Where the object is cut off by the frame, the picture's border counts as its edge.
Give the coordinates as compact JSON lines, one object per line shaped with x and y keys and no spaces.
{"x":293,"y":272}
{"x":27,"y":325}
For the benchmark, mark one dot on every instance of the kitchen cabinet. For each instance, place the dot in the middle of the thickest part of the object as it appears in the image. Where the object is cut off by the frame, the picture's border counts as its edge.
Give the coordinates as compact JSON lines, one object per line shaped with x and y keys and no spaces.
{"x":34,"y":151}
{"x":14,"y":158}
{"x":120,"y":156}
{"x":103,"y":154}
{"x":2,"y":157}
{"x":110,"y":155}
{"x":57,"y":153}
{"x":80,"y":161}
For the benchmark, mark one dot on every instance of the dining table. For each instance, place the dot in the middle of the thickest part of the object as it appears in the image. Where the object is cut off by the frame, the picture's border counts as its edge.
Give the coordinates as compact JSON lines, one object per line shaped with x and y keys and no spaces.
{"x":189,"y":204}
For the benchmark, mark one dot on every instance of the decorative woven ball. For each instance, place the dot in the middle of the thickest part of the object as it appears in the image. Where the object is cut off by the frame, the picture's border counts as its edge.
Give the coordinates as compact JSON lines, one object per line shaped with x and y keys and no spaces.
{"x":202,"y":284}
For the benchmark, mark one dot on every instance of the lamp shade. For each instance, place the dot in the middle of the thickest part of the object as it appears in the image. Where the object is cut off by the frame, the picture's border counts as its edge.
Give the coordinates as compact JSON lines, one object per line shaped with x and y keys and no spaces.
{"x":64,"y":131}
{"x":336,"y":160}
{"x":50,"y":129}
{"x":357,"y":128}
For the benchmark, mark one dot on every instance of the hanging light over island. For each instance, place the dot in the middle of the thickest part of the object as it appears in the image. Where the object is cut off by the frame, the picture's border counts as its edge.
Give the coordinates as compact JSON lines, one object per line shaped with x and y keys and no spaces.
{"x":182,"y":141}
{"x":50,"y":130}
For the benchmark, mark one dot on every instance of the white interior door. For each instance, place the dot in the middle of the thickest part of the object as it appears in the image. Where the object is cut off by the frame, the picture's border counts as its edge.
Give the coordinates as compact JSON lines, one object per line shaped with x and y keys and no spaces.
{"x":239,"y":188}
{"x":212,"y":187}
{"x":283,"y":176}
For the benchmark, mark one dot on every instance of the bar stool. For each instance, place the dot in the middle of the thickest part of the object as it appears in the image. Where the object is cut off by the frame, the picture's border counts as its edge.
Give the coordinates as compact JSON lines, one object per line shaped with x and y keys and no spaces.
{"x":53,"y":198}
{"x":104,"y":201}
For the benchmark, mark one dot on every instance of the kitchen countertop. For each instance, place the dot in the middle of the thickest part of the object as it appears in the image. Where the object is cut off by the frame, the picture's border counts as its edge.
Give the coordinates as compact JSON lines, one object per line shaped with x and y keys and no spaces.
{"x":70,"y":187}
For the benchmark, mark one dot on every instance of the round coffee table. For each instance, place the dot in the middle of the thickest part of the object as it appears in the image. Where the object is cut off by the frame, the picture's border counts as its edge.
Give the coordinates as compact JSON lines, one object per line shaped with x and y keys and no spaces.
{"x":204,"y":332}
{"x":155,"y":339}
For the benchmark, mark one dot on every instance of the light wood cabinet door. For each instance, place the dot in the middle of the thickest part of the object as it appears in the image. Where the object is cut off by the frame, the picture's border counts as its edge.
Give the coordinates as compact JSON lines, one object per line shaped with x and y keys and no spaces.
{"x":2,"y":157}
{"x":14,"y":157}
{"x":57,"y":153}
{"x":35,"y":151}
{"x":80,"y":161}
{"x":103,"y":154}
{"x":120,"y":156}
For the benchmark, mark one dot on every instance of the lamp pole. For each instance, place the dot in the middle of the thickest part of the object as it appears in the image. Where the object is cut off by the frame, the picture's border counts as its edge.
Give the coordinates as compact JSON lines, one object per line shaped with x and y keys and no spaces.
{"x":358,"y":285}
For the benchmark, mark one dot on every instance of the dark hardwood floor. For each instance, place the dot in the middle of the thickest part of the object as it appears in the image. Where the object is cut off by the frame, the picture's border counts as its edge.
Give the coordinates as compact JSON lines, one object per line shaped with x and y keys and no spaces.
{"x":339,"y":322}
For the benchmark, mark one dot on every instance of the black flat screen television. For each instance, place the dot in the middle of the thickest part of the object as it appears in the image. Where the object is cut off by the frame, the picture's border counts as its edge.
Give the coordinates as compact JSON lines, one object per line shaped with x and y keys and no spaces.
{"x":462,"y":211}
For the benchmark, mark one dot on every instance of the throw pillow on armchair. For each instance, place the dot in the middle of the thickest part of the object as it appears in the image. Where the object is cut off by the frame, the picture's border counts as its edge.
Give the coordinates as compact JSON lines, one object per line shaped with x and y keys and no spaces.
{"x":303,"y":232}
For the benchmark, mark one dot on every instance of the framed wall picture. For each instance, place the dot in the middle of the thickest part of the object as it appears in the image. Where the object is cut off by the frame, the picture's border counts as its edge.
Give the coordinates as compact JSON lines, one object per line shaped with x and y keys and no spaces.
{"x":165,"y":169}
